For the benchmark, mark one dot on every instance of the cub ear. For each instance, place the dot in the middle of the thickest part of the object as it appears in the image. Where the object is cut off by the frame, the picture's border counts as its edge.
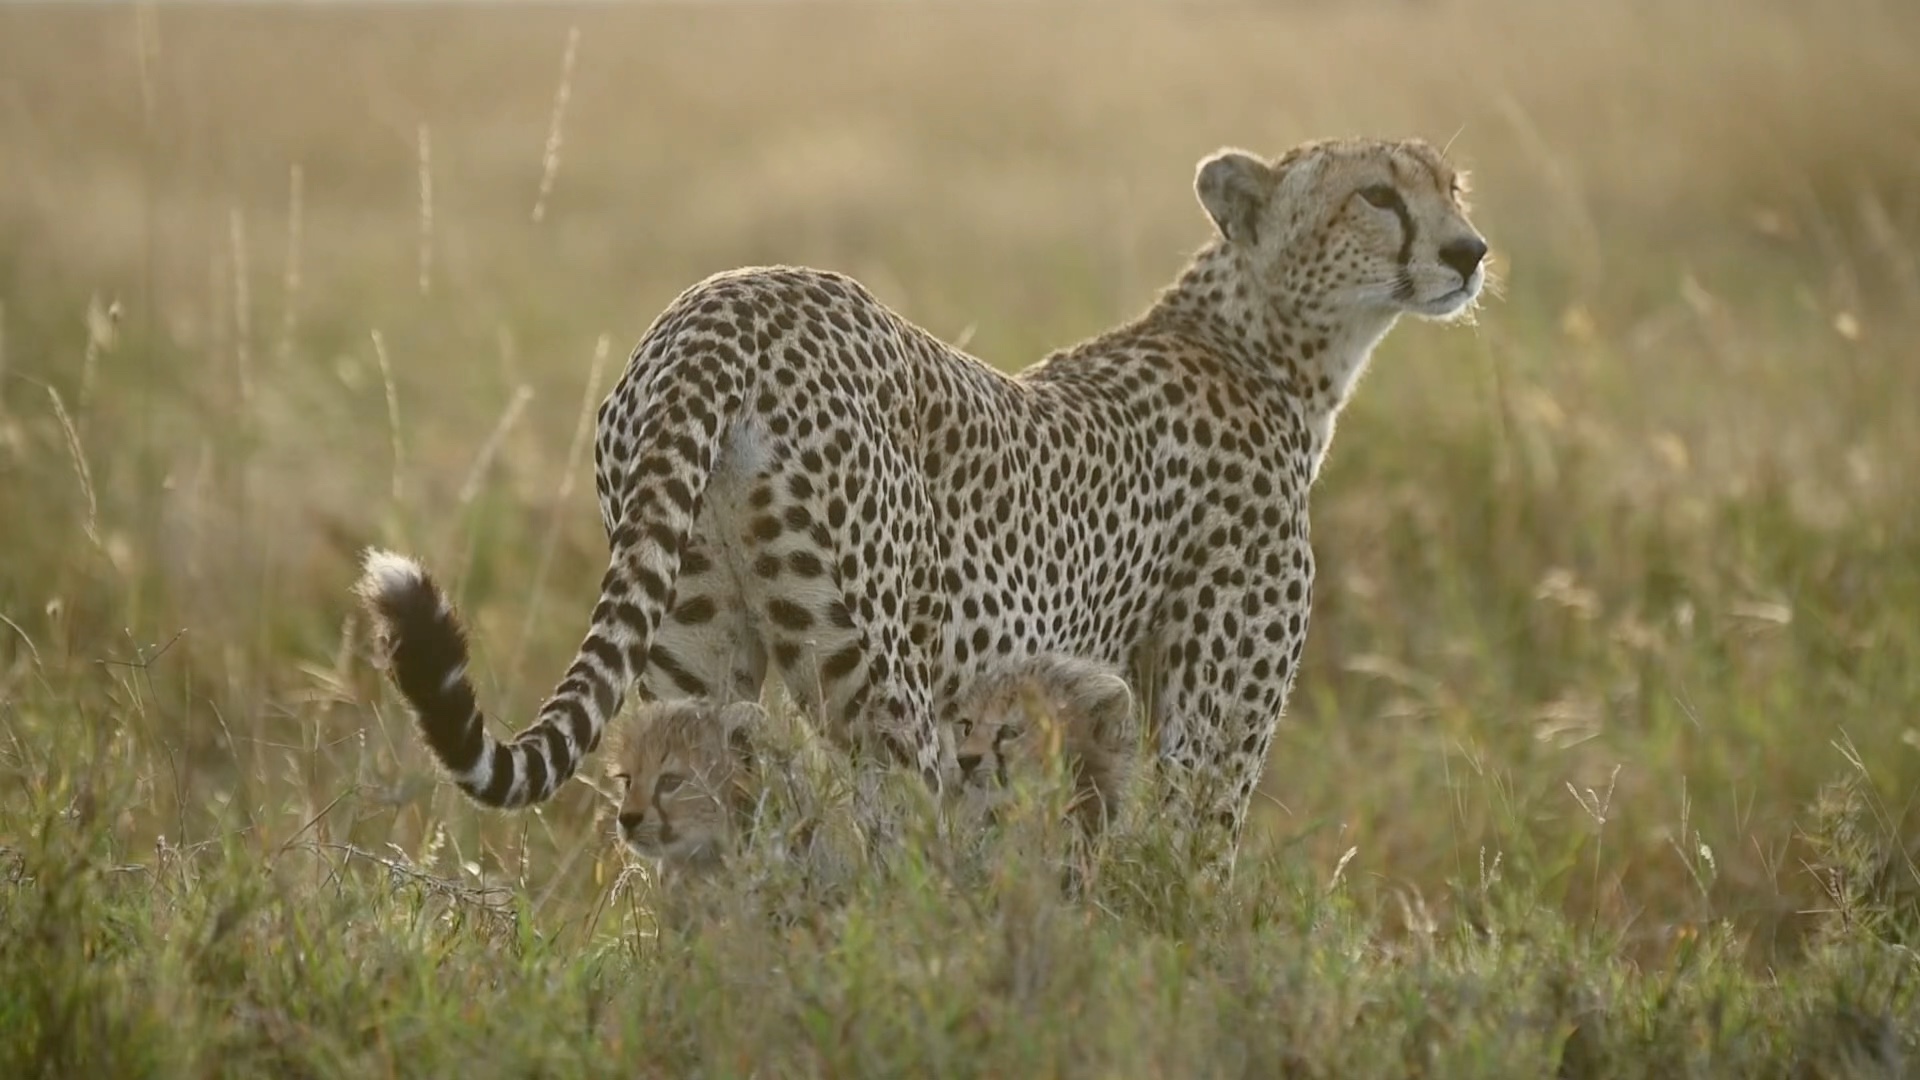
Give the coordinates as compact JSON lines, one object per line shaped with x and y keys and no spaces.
{"x":1109,"y":701}
{"x":1233,"y":187}
{"x":741,"y":721}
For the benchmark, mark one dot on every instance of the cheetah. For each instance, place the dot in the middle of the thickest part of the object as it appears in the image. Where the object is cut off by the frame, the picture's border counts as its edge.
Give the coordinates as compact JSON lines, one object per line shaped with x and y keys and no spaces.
{"x":688,"y":774}
{"x":795,"y":478}
{"x":692,"y":773}
{"x":705,"y":787}
{"x":1052,"y":707}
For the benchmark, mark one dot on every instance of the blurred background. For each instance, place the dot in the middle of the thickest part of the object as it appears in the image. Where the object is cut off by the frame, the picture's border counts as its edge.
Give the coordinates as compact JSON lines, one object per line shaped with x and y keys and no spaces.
{"x":1617,"y":584}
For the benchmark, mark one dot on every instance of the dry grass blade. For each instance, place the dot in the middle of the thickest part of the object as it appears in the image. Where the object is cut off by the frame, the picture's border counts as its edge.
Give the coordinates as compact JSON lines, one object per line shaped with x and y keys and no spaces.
{"x":290,"y":280}
{"x":489,"y":450}
{"x":576,"y":450}
{"x":90,"y":526}
{"x":550,"y":156}
{"x":393,"y":413}
{"x":425,"y":143}
{"x":32,"y":649}
{"x":242,"y":307}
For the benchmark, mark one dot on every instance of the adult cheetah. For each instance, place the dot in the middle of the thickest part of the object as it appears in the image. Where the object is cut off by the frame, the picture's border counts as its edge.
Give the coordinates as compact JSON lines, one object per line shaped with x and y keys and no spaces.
{"x":791,"y":473}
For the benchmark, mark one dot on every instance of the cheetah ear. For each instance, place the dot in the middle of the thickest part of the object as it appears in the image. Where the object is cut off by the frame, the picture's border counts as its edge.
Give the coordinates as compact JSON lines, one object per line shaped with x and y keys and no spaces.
{"x":1233,"y":186}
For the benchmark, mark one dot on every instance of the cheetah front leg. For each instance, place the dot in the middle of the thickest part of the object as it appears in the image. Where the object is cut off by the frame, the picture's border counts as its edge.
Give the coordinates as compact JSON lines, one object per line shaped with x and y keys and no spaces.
{"x":1224,"y":667}
{"x":1212,"y":748}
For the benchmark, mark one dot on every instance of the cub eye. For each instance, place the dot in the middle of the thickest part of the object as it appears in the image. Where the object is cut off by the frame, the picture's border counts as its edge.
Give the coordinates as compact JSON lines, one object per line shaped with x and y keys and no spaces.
{"x":625,"y":780}
{"x":668,"y":783}
{"x":1381,"y":195}
{"x":1000,"y":735}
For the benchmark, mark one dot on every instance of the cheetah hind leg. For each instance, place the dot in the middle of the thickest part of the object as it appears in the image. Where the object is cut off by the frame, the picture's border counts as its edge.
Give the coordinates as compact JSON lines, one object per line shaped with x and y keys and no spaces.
{"x":836,"y":615}
{"x":707,"y":646}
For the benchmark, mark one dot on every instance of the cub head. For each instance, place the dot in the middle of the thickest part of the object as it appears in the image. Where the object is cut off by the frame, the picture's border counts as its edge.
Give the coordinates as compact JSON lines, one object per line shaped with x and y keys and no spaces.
{"x":687,"y":770}
{"x":1350,"y":225}
{"x":1037,"y":712}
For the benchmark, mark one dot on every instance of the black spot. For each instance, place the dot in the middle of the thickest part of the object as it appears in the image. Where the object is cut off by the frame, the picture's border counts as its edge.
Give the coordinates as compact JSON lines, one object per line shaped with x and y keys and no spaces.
{"x":659,"y":659}
{"x":788,"y":615}
{"x":695,"y":612}
{"x":841,"y":664}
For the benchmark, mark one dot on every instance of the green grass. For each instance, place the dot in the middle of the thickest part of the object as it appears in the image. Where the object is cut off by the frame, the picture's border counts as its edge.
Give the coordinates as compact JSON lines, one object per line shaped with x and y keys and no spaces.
{"x":242,"y":956}
{"x":1601,"y":752}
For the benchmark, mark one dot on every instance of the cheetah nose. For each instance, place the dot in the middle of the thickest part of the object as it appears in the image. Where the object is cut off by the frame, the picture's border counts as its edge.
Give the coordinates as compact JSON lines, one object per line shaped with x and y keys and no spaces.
{"x":631,"y":820}
{"x":968,"y":763}
{"x":1464,"y":255}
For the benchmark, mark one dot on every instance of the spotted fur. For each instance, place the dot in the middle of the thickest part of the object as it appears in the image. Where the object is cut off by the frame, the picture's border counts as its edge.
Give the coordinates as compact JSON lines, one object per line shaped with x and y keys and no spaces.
{"x":794,"y":476}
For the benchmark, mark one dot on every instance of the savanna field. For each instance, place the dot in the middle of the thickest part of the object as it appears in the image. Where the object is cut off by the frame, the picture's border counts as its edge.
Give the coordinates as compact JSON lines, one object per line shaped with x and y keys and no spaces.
{"x":1603,"y":753}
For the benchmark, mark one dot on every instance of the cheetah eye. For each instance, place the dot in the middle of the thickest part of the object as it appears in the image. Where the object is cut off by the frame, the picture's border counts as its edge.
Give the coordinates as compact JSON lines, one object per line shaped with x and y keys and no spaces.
{"x":625,"y":780}
{"x":668,"y":784}
{"x":1381,"y":195}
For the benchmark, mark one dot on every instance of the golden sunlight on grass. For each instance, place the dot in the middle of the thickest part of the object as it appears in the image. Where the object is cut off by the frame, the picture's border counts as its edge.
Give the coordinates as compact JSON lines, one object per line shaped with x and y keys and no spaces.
{"x":1615,"y":617}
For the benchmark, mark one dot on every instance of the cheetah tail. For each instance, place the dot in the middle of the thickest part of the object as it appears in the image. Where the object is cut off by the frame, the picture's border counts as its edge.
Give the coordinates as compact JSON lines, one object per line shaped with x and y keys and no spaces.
{"x":426,"y":646}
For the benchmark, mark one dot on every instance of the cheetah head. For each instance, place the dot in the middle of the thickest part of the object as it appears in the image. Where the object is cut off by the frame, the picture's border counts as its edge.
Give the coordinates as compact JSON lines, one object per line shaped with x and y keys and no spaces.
{"x":687,"y":769}
{"x":1362,"y":226}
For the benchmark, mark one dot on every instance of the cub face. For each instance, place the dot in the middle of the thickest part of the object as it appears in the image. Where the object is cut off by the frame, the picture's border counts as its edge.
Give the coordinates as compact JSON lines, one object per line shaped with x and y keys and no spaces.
{"x":1047,"y":711}
{"x":687,"y":771}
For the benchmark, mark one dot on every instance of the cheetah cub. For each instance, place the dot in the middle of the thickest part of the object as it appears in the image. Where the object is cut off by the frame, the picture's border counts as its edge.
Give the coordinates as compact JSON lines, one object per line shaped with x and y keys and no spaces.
{"x":710,"y":785}
{"x":1052,"y":708}
{"x":690,"y":778}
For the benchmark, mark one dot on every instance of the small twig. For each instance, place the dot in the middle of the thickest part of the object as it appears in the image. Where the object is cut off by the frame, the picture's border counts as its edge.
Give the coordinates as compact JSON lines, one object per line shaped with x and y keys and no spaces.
{"x":476,"y":897}
{"x":314,"y":820}
{"x":273,"y":745}
{"x":144,"y":662}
